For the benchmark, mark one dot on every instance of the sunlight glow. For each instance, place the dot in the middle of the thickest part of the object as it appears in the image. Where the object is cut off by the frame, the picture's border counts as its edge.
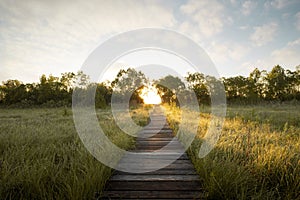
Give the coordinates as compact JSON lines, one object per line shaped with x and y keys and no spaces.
{"x":150,"y":95}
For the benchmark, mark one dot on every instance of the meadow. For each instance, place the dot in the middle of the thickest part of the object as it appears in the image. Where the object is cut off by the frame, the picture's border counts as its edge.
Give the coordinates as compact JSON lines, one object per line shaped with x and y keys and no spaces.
{"x":42,"y":157}
{"x":256,"y":157}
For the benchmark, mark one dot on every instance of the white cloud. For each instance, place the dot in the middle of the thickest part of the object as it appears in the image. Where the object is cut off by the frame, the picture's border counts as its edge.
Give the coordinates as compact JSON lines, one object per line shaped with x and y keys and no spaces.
{"x":278,"y":4}
{"x":248,"y":7}
{"x":208,"y":17}
{"x":57,"y":36}
{"x":294,"y":43}
{"x":227,"y":56}
{"x":244,"y":27}
{"x":297,"y":21}
{"x":227,"y":51}
{"x":264,"y":34}
{"x":233,"y":2}
{"x":287,"y":57}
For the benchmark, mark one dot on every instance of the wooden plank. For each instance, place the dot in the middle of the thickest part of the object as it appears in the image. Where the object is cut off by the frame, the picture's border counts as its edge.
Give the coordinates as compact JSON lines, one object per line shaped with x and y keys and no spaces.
{"x":166,"y":171}
{"x":157,"y":148}
{"x":167,"y":146}
{"x":156,"y":156}
{"x":156,"y":128}
{"x":154,"y":177}
{"x":158,"y":135}
{"x":156,"y":185}
{"x":154,"y":167}
{"x":153,"y":161}
{"x":157,"y":142}
{"x":164,"y":139}
{"x":155,"y":194}
{"x":161,"y":151}
{"x":147,"y":131}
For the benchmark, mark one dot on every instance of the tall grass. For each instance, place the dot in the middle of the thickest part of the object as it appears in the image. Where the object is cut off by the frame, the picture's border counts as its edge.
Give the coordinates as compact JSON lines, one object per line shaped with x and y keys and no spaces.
{"x":42,"y":157}
{"x":253,"y":159}
{"x":256,"y":157}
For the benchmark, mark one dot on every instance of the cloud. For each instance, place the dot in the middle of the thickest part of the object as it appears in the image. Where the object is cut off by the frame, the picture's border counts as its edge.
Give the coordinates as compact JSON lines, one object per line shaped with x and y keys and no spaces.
{"x":264,"y":34}
{"x":227,"y":55}
{"x":294,"y":43}
{"x":248,"y":7}
{"x":278,"y":4}
{"x":208,"y":17}
{"x":297,"y":24}
{"x":57,"y":36}
{"x":244,"y":27}
{"x":287,"y":57}
{"x":227,"y":51}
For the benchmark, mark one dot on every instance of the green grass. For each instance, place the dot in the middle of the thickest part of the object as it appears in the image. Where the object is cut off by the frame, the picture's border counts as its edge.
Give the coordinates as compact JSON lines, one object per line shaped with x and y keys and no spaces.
{"x":256,"y":157}
{"x":42,"y":157}
{"x":279,"y":116}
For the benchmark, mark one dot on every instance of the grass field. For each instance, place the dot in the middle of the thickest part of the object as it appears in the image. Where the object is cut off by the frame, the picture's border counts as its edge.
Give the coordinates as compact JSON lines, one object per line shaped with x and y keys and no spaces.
{"x":42,"y":157}
{"x":257,"y":155}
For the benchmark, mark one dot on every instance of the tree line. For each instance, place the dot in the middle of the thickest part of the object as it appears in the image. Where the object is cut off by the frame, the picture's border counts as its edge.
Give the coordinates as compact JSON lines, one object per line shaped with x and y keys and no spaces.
{"x":52,"y":91}
{"x":260,"y":86}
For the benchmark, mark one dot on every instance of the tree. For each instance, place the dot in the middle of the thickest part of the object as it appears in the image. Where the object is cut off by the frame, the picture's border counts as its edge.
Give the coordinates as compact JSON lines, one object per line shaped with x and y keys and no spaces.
{"x":127,"y":84}
{"x":276,"y":83}
{"x":236,"y":87}
{"x":197,"y":83}
{"x":255,"y":85}
{"x":13,"y":91}
{"x":103,"y":95}
{"x":82,"y":79}
{"x":168,"y":87}
{"x":67,"y":80}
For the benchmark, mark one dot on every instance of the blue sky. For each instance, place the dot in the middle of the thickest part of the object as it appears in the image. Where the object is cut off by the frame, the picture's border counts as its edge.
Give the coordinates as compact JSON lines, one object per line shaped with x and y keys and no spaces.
{"x":43,"y":37}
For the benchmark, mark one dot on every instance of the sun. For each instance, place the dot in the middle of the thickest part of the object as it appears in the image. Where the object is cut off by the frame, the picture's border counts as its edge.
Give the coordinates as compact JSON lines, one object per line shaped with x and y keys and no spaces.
{"x":150,"y":95}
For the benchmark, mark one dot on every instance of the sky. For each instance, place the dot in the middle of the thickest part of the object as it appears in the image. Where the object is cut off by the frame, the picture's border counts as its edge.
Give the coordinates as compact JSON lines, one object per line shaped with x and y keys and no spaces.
{"x":51,"y":37}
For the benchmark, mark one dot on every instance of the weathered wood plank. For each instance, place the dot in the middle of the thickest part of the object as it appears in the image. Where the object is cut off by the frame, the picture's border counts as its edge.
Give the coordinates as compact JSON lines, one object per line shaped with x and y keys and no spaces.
{"x":153,"y":146}
{"x":157,"y":142}
{"x":154,"y":161}
{"x":155,"y":185}
{"x":154,"y":177}
{"x":145,"y":131}
{"x":159,"y":135}
{"x":164,"y":139}
{"x":155,"y":194}
{"x":166,"y":171}
{"x":177,"y":180}
{"x":157,"y":156}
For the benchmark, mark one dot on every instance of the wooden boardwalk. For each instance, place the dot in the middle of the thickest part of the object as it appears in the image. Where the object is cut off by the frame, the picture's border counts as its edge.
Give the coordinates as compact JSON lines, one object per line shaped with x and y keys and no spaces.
{"x":177,"y":180}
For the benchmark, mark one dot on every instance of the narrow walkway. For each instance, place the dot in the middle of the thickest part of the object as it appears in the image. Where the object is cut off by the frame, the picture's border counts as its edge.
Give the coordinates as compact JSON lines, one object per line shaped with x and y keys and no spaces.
{"x":177,"y":180}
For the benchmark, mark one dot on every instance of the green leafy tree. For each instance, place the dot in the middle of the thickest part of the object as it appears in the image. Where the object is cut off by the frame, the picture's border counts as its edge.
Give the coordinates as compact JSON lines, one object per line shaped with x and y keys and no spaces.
{"x":255,"y":85}
{"x":197,"y":83}
{"x":127,"y":84}
{"x":13,"y":92}
{"x":237,"y":87}
{"x":276,"y":84}
{"x":168,"y":87}
{"x":103,"y":95}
